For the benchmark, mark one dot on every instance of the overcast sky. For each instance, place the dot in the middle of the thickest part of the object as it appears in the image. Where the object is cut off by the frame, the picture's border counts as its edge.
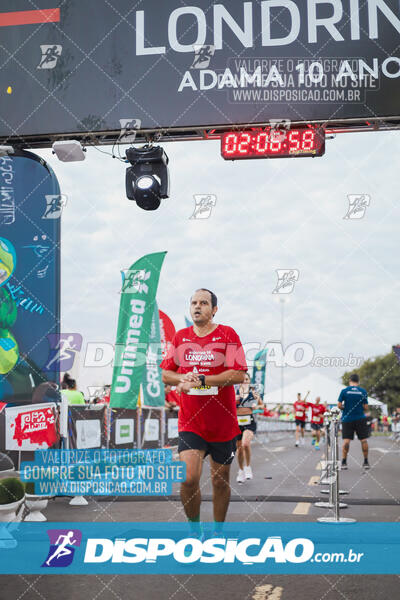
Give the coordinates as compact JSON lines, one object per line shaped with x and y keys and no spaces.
{"x":269,"y":214}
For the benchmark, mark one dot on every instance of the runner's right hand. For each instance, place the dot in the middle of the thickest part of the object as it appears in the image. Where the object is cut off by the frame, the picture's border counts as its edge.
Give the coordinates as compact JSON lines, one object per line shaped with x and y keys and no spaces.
{"x":191,"y":377}
{"x":186,"y":386}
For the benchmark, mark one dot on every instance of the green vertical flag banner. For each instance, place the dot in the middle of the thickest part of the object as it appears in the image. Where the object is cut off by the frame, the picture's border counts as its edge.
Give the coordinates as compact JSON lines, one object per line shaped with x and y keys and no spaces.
{"x":258,"y":378}
{"x":136,"y":311}
{"x":152,"y":385}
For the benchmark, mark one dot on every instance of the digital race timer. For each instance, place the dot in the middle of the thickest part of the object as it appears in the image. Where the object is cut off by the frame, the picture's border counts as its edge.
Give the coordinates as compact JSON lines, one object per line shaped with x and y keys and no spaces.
{"x":273,"y":143}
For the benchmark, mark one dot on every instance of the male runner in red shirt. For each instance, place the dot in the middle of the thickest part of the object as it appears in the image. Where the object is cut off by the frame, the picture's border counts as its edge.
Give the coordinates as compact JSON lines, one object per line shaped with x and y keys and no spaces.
{"x":317,"y":421}
{"x":204,"y":362}
{"x":300,"y":409}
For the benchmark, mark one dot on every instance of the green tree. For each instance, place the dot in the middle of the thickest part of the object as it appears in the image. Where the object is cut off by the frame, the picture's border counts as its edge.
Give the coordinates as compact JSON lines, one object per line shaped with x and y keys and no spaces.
{"x":380,"y":376}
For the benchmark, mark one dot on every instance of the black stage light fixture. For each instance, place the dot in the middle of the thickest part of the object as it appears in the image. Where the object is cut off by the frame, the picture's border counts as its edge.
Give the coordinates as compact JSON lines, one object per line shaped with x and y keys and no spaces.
{"x":147,"y":180}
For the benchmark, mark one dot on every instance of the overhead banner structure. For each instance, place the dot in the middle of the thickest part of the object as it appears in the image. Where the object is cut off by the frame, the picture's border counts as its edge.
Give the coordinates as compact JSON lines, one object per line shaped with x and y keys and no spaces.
{"x":152,"y":385}
{"x":258,"y":377}
{"x":137,"y":304}
{"x":218,"y":63}
{"x":30,"y":209}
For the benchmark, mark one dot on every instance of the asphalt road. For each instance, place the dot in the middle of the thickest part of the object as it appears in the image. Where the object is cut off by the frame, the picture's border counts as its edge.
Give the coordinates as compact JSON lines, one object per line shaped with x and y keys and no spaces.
{"x":284,"y":488}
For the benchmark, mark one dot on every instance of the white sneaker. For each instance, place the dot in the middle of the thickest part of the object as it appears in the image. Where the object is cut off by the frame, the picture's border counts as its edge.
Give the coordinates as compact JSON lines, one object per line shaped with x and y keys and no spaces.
{"x":248,"y":473}
{"x":240,"y":476}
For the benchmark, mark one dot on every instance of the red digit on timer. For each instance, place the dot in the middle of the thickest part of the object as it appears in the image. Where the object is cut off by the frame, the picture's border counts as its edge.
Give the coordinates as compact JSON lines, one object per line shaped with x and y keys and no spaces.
{"x":244,"y":143}
{"x":275,"y":141}
{"x":231,"y":143}
{"x":308,"y":142}
{"x":294,"y":141}
{"x":262,"y":143}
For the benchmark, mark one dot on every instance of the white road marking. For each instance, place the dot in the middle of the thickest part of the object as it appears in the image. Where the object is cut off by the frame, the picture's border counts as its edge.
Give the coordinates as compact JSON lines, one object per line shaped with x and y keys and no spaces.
{"x":278,"y":449}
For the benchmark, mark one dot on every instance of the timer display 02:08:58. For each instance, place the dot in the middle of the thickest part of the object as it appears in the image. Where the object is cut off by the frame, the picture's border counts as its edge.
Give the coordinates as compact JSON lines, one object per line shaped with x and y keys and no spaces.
{"x":273,"y":143}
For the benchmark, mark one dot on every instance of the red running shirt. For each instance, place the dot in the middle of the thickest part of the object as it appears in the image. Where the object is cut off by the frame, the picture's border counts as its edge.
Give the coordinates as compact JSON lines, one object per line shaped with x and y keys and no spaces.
{"x":300,"y":408}
{"x":317,"y":413}
{"x":210,"y":412}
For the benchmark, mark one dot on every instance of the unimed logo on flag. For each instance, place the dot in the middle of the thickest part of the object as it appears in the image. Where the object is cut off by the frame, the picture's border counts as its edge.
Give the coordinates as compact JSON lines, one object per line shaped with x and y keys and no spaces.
{"x":62,"y":547}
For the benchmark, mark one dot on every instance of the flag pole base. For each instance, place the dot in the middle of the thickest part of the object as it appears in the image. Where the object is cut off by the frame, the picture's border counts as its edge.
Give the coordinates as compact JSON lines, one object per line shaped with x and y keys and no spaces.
{"x":333,"y":520}
{"x":78,"y":501}
{"x":329,"y":505}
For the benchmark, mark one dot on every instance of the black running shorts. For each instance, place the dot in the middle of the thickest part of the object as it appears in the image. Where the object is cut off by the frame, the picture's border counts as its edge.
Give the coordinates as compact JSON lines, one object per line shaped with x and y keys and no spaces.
{"x":252,"y":426}
{"x":221,"y":452}
{"x":301,"y":423}
{"x":360,"y":427}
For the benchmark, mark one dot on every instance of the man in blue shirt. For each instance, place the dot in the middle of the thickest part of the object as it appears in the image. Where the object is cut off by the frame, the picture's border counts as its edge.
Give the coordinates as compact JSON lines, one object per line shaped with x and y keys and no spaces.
{"x":353,"y":401}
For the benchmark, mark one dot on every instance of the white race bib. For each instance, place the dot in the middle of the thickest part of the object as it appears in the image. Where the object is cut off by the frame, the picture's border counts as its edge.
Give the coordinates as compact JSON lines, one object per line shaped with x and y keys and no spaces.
{"x":204,"y":390}
{"x":244,"y":420}
{"x":299,"y":414}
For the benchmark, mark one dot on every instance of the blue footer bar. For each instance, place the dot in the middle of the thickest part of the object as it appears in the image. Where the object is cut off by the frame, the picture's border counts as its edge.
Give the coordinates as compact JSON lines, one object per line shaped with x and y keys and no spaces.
{"x":239,"y":548}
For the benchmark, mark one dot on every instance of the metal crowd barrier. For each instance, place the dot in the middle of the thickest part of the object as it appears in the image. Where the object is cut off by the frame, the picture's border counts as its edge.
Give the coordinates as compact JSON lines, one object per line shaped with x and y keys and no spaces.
{"x":331,"y":471}
{"x":268,"y":425}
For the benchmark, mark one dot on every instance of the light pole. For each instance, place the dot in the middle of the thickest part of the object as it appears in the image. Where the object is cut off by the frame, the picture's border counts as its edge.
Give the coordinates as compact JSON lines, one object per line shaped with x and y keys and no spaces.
{"x":282,"y":299}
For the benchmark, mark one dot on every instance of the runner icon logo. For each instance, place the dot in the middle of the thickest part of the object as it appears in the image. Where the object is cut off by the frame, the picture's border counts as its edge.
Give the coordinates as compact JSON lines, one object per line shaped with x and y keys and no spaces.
{"x":357,"y":206}
{"x":129,"y":128}
{"x":202,"y":56}
{"x":279,"y":129}
{"x":62,"y":547}
{"x":204,"y":203}
{"x":50,"y":55}
{"x":54,"y":206}
{"x":63,"y":349}
{"x":286,"y":281}
{"x":132,"y":281}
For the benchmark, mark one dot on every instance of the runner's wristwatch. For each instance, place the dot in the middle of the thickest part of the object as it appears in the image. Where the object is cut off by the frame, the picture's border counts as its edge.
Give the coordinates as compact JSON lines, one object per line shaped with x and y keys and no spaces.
{"x":202,"y":380}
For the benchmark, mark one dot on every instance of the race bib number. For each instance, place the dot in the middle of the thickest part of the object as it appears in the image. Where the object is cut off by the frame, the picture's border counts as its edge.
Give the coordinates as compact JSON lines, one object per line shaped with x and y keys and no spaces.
{"x":316,"y":420}
{"x":299,"y":414}
{"x":204,"y":390}
{"x":244,"y":420}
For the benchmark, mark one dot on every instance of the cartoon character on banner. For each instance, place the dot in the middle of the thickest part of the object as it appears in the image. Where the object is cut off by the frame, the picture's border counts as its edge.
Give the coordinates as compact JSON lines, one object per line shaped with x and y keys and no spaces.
{"x":18,"y":375}
{"x":8,"y":309}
